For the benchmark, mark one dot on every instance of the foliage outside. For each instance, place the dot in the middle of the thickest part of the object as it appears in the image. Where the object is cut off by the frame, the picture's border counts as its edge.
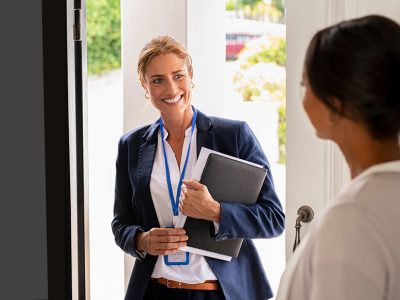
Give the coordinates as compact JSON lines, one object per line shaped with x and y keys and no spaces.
{"x":262,"y":76}
{"x":103,"y":35}
{"x":272,"y":11}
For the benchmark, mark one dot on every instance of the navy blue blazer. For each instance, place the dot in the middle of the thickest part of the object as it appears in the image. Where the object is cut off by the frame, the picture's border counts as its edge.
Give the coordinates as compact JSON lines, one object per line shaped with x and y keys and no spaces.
{"x":241,"y":278}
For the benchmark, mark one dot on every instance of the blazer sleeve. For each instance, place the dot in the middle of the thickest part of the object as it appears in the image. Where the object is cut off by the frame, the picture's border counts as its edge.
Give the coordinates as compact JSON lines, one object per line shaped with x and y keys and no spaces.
{"x":123,"y":225}
{"x":265,"y":218}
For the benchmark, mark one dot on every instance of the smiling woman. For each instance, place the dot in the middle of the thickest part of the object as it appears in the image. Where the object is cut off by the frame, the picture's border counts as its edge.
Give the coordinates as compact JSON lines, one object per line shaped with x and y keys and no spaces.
{"x":167,"y":81}
{"x":153,"y":163}
{"x":165,"y":72}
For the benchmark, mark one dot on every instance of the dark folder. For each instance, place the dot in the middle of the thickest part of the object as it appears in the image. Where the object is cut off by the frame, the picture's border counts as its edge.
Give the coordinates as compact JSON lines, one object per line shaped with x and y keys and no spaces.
{"x":228,"y":180}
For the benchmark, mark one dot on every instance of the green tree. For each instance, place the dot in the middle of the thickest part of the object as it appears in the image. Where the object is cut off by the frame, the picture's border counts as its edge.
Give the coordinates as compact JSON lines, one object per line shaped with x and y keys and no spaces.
{"x":252,"y":3}
{"x":230,"y":5}
{"x":103,"y":35}
{"x":279,"y":5}
{"x":259,"y":62}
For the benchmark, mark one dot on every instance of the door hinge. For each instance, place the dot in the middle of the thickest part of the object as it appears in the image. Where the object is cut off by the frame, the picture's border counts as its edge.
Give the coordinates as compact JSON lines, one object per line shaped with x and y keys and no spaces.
{"x":77,"y":25}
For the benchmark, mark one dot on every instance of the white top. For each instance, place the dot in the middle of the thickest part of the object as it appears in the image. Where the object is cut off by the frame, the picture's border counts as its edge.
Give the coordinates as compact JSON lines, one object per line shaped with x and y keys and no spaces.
{"x":353,"y":249}
{"x":198,"y":269}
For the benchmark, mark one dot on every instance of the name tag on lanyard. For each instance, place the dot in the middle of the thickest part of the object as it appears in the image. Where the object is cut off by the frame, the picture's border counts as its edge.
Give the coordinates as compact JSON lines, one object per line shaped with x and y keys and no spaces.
{"x":180,"y":257}
{"x":177,"y":259}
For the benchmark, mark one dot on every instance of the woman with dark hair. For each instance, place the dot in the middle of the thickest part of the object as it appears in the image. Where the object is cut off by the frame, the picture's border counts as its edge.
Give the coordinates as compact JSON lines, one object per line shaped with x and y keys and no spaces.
{"x":352,"y":97}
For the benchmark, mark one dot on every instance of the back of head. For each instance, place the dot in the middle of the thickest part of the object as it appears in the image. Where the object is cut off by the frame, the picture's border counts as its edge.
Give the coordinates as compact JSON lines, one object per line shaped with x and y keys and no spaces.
{"x":162,"y":44}
{"x":357,"y":63}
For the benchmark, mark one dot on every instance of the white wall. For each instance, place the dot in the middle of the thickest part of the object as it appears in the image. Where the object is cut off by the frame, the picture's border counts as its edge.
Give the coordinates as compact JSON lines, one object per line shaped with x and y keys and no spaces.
{"x":206,"y":44}
{"x":104,"y":131}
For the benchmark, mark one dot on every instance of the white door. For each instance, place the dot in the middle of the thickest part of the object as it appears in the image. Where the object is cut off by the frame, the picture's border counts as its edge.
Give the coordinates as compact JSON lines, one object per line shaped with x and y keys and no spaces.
{"x":315,"y":169}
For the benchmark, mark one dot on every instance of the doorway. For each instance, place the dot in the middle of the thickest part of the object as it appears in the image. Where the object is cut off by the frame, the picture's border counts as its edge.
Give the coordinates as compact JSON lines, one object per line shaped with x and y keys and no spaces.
{"x":116,"y":105}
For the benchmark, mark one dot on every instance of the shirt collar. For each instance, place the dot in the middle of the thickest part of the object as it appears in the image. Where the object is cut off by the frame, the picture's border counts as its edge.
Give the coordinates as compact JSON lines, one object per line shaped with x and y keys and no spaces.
{"x":391,"y":166}
{"x":187,"y":132}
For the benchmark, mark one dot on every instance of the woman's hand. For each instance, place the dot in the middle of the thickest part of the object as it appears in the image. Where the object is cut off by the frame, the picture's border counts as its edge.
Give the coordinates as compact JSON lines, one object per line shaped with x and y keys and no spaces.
{"x":196,"y":202}
{"x":161,"y":241}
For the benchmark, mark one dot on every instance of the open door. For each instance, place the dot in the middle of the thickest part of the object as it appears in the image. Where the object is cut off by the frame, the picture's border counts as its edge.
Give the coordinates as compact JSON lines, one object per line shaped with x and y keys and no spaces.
{"x":77,"y":115}
{"x":315,"y":169}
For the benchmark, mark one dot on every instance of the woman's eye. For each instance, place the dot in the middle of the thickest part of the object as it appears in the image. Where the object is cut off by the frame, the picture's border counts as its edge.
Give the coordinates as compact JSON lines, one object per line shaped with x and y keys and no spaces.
{"x":157,"y":81}
{"x":178,"y":76}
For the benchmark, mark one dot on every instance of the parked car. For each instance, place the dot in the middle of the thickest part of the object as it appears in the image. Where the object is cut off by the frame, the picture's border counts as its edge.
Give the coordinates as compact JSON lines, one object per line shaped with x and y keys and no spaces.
{"x":235,"y":42}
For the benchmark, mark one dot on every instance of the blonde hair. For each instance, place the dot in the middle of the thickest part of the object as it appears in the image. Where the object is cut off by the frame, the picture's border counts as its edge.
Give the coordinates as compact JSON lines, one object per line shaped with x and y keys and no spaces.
{"x":162,"y":44}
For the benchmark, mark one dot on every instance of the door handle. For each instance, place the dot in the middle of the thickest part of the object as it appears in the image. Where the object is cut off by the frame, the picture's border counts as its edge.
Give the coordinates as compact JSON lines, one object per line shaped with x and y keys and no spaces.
{"x":305,"y":214}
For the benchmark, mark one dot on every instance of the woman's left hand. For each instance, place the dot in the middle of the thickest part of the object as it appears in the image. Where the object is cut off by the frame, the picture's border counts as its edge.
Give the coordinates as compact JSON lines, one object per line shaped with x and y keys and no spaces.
{"x":196,"y":202}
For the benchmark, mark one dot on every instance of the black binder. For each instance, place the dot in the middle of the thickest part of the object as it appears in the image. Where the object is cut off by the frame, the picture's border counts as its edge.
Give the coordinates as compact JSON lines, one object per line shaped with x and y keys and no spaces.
{"x":228,"y":180}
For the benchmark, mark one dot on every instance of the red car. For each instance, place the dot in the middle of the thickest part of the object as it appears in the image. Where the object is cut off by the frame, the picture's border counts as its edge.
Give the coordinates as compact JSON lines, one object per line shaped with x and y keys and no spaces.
{"x":236,"y":42}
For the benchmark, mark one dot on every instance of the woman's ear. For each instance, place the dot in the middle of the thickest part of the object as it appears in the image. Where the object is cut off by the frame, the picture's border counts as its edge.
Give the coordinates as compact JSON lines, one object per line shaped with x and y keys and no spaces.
{"x":338,"y":112}
{"x":333,"y":116}
{"x":339,"y":109}
{"x":190,"y":71}
{"x":142,"y":82}
{"x":144,"y":86}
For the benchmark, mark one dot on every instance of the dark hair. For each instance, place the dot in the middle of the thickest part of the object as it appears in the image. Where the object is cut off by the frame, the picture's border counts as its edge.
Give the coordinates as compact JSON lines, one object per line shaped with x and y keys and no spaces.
{"x":357,"y":63}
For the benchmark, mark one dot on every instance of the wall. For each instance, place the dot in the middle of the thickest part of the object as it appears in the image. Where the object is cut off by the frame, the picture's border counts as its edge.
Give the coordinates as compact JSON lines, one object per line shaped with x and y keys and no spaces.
{"x":23,"y":257}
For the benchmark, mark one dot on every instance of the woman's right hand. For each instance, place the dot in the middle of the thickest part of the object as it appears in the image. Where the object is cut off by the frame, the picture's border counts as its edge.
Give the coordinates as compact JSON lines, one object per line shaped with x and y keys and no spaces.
{"x":161,"y":241}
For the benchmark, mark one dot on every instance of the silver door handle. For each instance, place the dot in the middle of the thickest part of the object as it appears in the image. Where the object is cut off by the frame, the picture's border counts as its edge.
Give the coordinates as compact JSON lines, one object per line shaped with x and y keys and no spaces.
{"x":305,"y":214}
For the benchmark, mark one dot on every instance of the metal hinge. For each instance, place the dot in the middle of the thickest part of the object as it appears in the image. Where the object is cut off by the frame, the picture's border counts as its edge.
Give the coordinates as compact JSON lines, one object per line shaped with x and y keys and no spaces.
{"x":77,"y":25}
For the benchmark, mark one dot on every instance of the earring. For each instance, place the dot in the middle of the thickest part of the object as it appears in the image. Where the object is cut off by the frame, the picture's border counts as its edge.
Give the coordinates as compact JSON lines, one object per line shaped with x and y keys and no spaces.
{"x":146,"y":95}
{"x":191,"y":85}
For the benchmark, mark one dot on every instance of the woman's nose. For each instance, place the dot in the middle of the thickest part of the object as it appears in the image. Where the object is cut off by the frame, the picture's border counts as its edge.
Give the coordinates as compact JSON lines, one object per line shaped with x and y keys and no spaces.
{"x":172,"y":88}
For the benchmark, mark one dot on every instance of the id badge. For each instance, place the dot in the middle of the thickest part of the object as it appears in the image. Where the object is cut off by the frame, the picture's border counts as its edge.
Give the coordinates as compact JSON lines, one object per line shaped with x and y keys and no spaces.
{"x":177,"y":259}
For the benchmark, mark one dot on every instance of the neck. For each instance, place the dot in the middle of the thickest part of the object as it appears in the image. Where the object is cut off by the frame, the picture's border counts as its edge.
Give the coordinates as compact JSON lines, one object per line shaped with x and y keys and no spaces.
{"x":360,"y":155}
{"x":177,"y":123}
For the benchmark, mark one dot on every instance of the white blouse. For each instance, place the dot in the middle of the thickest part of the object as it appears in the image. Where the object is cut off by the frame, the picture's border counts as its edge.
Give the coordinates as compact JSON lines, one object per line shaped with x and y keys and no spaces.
{"x":353,"y":249}
{"x":197,"y":270}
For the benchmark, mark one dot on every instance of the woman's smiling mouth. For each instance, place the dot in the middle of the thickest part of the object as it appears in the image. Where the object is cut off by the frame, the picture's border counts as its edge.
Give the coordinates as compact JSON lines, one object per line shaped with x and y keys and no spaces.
{"x":173,"y":100}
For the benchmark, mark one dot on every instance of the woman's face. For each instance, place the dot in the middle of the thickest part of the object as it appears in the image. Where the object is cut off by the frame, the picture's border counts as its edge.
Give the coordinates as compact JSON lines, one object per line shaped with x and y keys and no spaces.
{"x":318,"y":113}
{"x":167,"y":80}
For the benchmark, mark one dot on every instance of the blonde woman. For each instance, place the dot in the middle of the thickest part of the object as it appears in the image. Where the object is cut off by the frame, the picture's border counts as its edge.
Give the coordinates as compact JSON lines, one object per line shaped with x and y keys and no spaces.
{"x":154,"y":161}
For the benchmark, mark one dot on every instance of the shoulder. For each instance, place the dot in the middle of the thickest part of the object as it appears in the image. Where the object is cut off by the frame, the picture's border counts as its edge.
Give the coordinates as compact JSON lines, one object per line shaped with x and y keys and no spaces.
{"x":217,"y":124}
{"x":224,"y":127}
{"x":373,"y":193}
{"x":232,"y":130}
{"x":226,"y":123}
{"x":366,"y":205}
{"x":134,"y":135}
{"x":349,"y":221}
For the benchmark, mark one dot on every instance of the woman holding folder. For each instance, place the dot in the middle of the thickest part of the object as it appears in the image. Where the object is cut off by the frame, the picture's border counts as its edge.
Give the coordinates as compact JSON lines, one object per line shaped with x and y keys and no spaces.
{"x":152,"y":165}
{"x":352,"y":97}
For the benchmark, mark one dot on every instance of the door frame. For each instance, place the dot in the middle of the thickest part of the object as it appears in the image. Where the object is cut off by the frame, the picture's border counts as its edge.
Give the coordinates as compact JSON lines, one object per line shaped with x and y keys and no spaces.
{"x":57,"y":161}
{"x":316,"y":169}
{"x":64,"y":73}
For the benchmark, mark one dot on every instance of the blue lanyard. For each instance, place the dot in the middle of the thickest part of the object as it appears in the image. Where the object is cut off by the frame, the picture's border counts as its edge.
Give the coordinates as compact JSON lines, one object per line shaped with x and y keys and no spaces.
{"x":175,"y":203}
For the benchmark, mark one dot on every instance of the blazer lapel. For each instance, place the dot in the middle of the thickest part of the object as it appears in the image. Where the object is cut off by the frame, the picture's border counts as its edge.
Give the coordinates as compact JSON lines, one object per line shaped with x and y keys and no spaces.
{"x":147,"y":151}
{"x":205,"y":136}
